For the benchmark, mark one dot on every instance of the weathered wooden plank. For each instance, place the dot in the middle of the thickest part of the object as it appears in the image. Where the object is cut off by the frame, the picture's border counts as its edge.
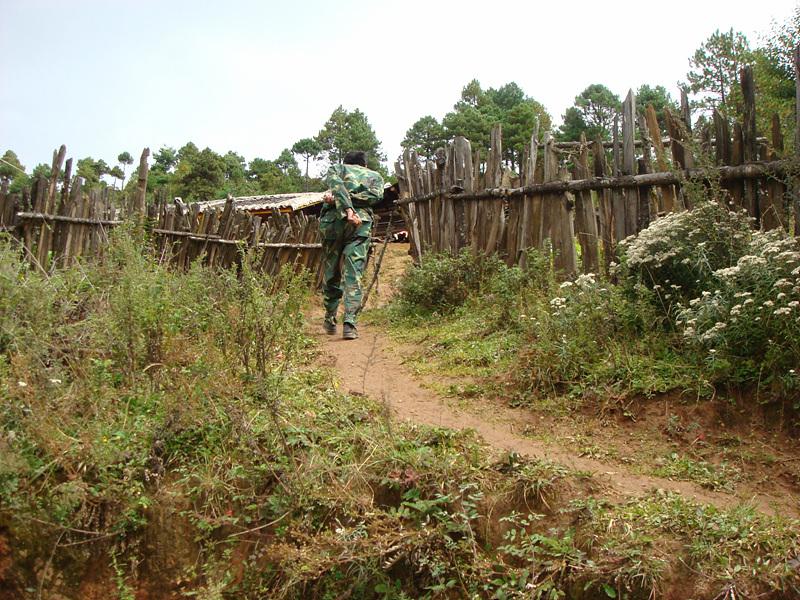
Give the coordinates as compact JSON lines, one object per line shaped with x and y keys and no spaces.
{"x":736,"y":187}
{"x":558,"y":225}
{"x":648,"y":204}
{"x":667,"y":193}
{"x":69,"y":238}
{"x":773,"y":213}
{"x":585,"y":220}
{"x":141,"y":186}
{"x":605,"y":219}
{"x":617,"y":197}
{"x":749,"y":142}
{"x":565,"y":261}
{"x":686,"y":113}
{"x":629,"y":134}
{"x":493,"y":216}
{"x":527,"y":237}
{"x":722,"y":135}
{"x":30,"y":229}
{"x":630,"y":195}
{"x":463,"y":169}
{"x":49,"y":205}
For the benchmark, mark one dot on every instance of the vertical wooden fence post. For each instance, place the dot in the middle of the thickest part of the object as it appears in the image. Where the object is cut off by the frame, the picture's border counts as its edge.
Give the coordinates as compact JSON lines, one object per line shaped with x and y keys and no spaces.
{"x":631,"y":195}
{"x":141,"y":187}
{"x":773,"y":213}
{"x":585,"y":221}
{"x":749,"y":147}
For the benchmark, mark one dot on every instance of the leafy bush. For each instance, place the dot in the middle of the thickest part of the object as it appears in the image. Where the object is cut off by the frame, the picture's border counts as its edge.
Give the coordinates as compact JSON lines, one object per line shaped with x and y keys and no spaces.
{"x":677,"y":255}
{"x":590,"y":334}
{"x":749,"y":325}
{"x":110,"y":370}
{"x":546,"y":338}
{"x":444,"y":282}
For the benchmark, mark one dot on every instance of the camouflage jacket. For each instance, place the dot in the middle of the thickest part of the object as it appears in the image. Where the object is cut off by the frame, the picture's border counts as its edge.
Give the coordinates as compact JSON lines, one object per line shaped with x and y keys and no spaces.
{"x":353,"y":186}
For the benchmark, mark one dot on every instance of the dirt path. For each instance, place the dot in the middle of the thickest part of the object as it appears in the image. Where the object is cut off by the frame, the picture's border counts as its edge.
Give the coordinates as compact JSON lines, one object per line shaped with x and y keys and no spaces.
{"x":373,"y":366}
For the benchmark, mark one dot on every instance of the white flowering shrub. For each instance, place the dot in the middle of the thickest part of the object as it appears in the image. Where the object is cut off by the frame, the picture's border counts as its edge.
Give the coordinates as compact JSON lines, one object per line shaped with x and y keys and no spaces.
{"x":748,"y":322}
{"x":579,"y":335}
{"x":679,"y":253}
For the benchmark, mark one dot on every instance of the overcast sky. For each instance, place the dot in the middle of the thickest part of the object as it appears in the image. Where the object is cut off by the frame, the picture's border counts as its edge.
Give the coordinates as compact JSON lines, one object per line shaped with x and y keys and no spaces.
{"x":256,"y":76}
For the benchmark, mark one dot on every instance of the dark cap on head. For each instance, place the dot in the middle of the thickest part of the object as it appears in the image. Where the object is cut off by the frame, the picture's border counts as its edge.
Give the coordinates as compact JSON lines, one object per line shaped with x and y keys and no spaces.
{"x":356,"y":157}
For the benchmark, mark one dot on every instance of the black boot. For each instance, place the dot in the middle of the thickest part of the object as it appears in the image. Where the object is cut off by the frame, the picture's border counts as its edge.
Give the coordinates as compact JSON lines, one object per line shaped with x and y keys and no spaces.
{"x":329,"y":325}
{"x":349,"y":332}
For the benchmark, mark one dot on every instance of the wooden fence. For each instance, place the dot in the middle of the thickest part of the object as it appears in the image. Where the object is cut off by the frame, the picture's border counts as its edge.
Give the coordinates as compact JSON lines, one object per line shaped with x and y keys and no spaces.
{"x":57,"y":224}
{"x":571,"y":192}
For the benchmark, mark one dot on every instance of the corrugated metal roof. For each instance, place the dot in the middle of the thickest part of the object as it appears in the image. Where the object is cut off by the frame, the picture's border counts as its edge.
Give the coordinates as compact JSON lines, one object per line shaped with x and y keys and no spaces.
{"x":297,"y":201}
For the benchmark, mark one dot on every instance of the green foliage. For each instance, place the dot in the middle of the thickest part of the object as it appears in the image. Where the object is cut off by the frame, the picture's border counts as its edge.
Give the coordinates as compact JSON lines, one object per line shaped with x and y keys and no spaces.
{"x":444,"y":282}
{"x":92,"y":170}
{"x":347,"y":131}
{"x":424,"y":137}
{"x":287,"y":163}
{"x":473,"y":117}
{"x":677,"y":255}
{"x":735,"y":542}
{"x":732,"y":291}
{"x":746,"y":324}
{"x":518,"y":123}
{"x":587,"y":335}
{"x":309,"y":149}
{"x":471,"y":122}
{"x":10,"y":167}
{"x":773,"y":71}
{"x":540,"y":338}
{"x":199,"y":175}
{"x":715,"y":477}
{"x":714,"y":71}
{"x":165,"y":159}
{"x":780,"y":42}
{"x":90,"y":354}
{"x":592,"y":114}
{"x":117,"y":173}
{"x":479,"y":110}
{"x":41,"y":170}
{"x":12,"y":172}
{"x":661,"y":100}
{"x":235,"y":168}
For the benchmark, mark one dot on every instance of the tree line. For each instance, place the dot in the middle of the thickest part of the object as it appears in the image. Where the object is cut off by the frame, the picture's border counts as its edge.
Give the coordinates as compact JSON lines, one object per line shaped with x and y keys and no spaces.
{"x":196,"y":175}
{"x":712,"y":82}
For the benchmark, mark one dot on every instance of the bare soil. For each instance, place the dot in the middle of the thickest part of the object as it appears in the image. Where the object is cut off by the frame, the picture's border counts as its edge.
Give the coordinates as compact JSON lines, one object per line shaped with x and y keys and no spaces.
{"x":616,"y":447}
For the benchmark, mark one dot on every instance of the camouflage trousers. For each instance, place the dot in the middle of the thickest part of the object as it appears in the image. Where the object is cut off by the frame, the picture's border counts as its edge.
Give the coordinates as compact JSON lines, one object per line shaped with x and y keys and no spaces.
{"x":344,"y":261}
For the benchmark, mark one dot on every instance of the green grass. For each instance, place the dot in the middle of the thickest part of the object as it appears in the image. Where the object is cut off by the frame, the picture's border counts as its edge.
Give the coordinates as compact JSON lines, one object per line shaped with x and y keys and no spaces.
{"x":723,"y":476}
{"x":170,"y":432}
{"x":454,"y":345}
{"x":522,"y":336}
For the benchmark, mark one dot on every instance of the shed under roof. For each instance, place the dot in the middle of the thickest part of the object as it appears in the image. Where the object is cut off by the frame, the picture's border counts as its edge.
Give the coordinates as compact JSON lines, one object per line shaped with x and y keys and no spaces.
{"x":284,"y":202}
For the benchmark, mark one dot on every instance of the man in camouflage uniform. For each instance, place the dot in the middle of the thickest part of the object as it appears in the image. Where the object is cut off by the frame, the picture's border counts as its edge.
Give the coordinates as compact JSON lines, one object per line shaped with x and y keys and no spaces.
{"x":345,"y":224}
